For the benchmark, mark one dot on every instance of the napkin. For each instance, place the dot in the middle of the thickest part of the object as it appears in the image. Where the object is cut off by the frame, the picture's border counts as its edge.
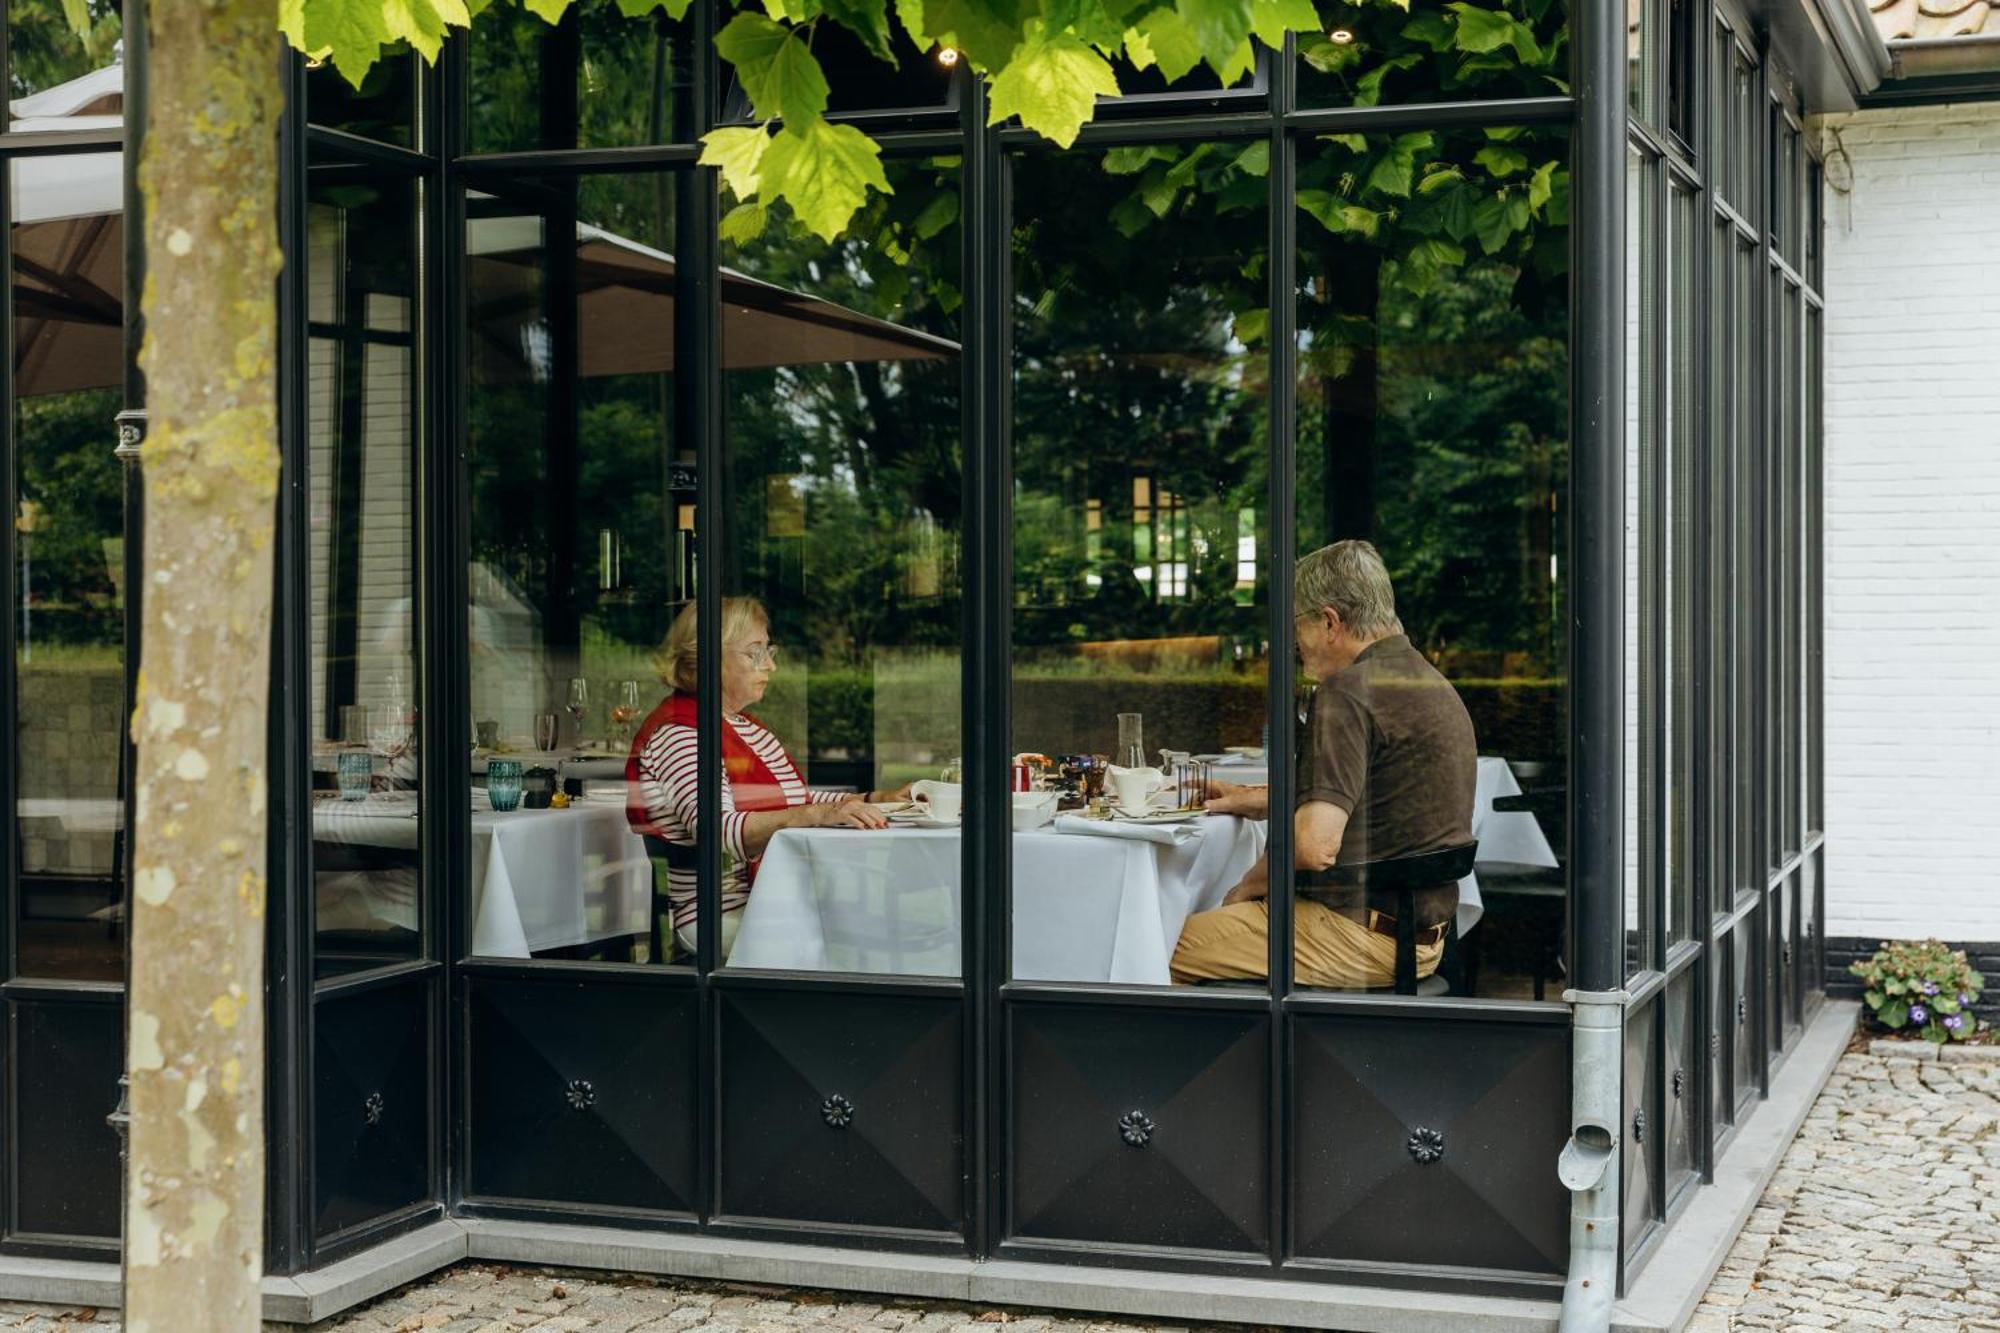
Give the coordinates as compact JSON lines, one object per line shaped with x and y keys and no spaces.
{"x":1167,"y":835}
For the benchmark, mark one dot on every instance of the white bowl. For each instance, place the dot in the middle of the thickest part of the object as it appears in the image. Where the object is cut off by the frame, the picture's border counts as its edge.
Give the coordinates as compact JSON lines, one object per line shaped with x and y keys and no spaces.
{"x":1032,"y":809}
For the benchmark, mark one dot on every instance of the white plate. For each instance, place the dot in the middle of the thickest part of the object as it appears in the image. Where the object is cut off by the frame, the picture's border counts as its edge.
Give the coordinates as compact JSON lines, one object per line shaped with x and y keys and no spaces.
{"x":1162,"y":817}
{"x":921,"y":821}
{"x":1246,"y":751}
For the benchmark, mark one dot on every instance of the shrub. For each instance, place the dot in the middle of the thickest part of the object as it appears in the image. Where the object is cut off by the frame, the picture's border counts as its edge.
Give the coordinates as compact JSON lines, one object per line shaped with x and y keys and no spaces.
{"x":1923,"y":985}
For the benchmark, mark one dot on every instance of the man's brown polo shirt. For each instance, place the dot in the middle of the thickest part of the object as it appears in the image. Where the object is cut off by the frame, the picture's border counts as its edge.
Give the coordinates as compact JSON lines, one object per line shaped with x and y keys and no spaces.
{"x":1388,"y":740}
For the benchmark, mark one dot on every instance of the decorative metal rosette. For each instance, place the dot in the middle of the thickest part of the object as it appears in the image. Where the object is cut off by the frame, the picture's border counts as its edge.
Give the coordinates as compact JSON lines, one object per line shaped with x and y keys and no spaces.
{"x":1715,"y":1045}
{"x":580,"y":1095}
{"x":1639,"y":1125}
{"x":1136,"y":1128}
{"x":837,"y":1111}
{"x":1742,"y":1010}
{"x":371,"y":1110}
{"x":1425,"y":1145}
{"x":1680,"y":1083}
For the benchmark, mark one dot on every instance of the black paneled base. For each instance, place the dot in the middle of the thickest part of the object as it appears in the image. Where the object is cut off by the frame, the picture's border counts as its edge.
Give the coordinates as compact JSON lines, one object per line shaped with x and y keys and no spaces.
{"x":843,"y":1108}
{"x":582,"y":1092}
{"x":1640,"y":1157}
{"x":1139,"y":1127}
{"x":371,"y":1105}
{"x":65,"y":1061}
{"x":1430,"y":1143}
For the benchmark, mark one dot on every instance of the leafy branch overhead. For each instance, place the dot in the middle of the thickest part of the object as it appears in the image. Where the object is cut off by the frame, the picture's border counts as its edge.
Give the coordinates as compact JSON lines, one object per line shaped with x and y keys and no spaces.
{"x":1045,"y":62}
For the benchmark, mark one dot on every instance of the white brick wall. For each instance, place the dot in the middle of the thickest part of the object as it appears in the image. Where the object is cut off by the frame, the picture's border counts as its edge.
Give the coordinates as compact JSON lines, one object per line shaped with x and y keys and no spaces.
{"x":1913,"y":526}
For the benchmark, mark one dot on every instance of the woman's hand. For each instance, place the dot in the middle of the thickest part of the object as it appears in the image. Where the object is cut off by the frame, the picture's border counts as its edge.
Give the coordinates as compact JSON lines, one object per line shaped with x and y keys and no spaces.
{"x":1229,"y":798}
{"x":853,"y":812}
{"x":901,"y":793}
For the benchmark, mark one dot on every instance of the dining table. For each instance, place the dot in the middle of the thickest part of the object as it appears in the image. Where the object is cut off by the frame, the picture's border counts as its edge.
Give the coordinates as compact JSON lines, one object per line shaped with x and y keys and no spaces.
{"x":1090,"y":904}
{"x":540,"y":879}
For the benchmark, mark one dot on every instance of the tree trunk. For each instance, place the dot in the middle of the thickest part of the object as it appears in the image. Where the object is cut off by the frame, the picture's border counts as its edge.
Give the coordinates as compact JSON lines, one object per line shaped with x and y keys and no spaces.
{"x":194,"y":1222}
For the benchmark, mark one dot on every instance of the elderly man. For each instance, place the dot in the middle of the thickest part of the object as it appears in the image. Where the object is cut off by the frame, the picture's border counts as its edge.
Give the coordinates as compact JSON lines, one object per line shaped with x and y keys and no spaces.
{"x":1386,"y":769}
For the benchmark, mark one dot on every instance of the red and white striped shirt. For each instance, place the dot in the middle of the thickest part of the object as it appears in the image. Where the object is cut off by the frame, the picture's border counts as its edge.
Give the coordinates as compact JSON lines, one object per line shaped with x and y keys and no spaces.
{"x":665,"y":798}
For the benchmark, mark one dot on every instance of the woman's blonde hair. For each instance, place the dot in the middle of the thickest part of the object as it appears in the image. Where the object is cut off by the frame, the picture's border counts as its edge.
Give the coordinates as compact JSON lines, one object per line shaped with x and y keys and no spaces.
{"x":675,"y":659}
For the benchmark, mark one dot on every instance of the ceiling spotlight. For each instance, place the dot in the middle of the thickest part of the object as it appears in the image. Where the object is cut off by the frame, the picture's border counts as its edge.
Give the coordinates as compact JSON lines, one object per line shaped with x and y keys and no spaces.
{"x":1340,"y":36}
{"x":947,"y":56}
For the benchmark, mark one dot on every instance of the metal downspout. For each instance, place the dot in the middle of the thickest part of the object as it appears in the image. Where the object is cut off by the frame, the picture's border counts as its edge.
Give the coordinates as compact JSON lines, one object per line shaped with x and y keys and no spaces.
{"x":1588,"y":1165}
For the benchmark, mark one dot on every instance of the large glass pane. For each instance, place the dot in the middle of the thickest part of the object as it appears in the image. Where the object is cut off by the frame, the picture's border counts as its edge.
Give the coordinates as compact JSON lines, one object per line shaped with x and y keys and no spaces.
{"x":362,"y":464}
{"x":1815,"y":567}
{"x":841,"y":634}
{"x":597,"y":79}
{"x":68,"y":576}
{"x":1433,"y":424}
{"x":581,"y":545}
{"x":1680,"y":598}
{"x":1642,"y":56}
{"x":1140,"y":526}
{"x":68,"y":77}
{"x":1642,"y":543}
{"x":1746,"y":457}
{"x":1367,"y":53}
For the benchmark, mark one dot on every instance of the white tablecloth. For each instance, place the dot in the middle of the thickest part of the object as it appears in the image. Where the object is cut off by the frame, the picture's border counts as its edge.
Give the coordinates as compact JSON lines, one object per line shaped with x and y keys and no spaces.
{"x":1504,"y":835}
{"x":1086,"y":908}
{"x":541,"y":879}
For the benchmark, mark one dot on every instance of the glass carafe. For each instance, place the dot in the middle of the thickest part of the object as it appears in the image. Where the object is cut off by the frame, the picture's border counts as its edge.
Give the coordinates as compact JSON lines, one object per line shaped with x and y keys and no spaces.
{"x":1131,"y":741}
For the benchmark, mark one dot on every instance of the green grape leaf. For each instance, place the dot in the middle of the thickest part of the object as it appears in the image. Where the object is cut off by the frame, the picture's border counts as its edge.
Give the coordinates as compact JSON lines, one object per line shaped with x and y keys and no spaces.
{"x":987,"y":31}
{"x":548,"y":11}
{"x":1272,"y":19}
{"x":743,"y":224}
{"x":1368,"y":88}
{"x":1232,"y":71}
{"x":1429,"y":30}
{"x":351,"y":32}
{"x":1130,"y":217}
{"x":736,"y":152}
{"x":1182,"y":172}
{"x":1172,"y":42}
{"x":1498,"y":217}
{"x":1130,"y":161}
{"x":775,"y":68}
{"x":1052,"y":83}
{"x":824,"y":172}
{"x":1353,"y":143}
{"x":1541,"y":185}
{"x":1252,"y":326}
{"x":1337,"y":215}
{"x":1395,"y":168}
{"x":1138,"y":51}
{"x":1328,"y":57}
{"x":1255,"y":160}
{"x":792,"y":11}
{"x":1484,"y":30}
{"x":938,"y":214}
{"x":1500,"y":161}
{"x":866,"y":19}
{"x":1218,"y":26}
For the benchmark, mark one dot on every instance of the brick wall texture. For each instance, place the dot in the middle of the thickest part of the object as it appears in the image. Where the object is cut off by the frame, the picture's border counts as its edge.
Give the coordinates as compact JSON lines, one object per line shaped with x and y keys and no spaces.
{"x":1913,"y":532}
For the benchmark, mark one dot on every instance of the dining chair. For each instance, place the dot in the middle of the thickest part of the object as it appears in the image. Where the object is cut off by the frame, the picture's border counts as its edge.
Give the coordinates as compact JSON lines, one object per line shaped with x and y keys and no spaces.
{"x":1390,"y":886}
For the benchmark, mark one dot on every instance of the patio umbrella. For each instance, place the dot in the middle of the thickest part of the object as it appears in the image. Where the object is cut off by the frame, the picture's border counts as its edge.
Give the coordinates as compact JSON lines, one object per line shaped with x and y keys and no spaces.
{"x":625,"y":307}
{"x":68,"y":243}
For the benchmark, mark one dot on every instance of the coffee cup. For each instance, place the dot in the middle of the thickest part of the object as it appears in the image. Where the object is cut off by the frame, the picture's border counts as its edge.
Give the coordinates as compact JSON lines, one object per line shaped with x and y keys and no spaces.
{"x":1132,"y":788}
{"x":942,"y":801}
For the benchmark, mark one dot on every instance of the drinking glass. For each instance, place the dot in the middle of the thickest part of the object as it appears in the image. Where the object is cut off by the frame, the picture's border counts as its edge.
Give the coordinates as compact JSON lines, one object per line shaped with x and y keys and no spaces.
{"x":626,"y":711}
{"x":579,"y":703}
{"x":1131,"y":741}
{"x":503,"y":783}
{"x":545,"y":732}
{"x":356,"y":768}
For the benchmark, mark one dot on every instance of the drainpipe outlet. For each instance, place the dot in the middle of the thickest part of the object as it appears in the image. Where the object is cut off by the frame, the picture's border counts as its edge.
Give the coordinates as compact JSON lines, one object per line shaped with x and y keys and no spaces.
{"x":1588,"y":1166}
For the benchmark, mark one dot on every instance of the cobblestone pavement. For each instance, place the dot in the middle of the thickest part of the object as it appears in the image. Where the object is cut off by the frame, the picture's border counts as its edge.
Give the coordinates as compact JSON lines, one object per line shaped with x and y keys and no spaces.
{"x":1884,"y":1215}
{"x":1885,"y":1212}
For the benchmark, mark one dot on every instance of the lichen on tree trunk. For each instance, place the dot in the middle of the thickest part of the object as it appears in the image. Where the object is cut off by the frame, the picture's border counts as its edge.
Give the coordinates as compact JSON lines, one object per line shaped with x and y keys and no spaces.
{"x":194,"y":1221}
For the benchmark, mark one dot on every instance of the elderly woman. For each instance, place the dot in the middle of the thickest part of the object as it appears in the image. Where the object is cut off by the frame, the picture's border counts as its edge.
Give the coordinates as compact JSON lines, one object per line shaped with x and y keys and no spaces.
{"x":762,"y":791}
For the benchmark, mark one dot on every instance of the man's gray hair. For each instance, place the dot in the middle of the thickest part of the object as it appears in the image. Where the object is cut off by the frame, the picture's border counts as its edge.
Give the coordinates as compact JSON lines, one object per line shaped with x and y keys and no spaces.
{"x":1348,"y":576}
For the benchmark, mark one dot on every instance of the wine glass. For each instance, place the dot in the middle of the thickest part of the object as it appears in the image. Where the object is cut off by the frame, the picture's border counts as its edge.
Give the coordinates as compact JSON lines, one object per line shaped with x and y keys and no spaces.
{"x":626,"y":711}
{"x":579,"y":704}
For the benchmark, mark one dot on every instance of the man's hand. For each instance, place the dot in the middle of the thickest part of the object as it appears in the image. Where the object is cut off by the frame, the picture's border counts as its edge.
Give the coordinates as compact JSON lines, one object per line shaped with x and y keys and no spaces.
{"x":1255,"y":884}
{"x":1229,"y":798}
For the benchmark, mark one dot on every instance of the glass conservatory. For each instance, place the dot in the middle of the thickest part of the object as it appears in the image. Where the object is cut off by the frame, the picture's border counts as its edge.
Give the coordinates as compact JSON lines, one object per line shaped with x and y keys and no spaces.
{"x":585,"y":467}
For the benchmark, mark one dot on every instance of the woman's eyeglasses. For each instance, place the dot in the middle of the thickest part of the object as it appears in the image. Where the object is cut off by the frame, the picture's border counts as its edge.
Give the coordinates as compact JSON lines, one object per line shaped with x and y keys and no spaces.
{"x":761,"y":657}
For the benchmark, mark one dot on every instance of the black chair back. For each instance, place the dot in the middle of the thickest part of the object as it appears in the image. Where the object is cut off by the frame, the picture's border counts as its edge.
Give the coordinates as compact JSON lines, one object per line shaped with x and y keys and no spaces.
{"x":1394,"y":882}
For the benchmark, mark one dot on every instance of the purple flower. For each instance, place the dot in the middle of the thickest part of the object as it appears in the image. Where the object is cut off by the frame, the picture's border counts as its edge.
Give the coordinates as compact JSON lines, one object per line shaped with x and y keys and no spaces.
{"x":1930,"y":988}
{"x":1954,"y":1022}
{"x":1963,"y":998}
{"x":1919,"y":1014}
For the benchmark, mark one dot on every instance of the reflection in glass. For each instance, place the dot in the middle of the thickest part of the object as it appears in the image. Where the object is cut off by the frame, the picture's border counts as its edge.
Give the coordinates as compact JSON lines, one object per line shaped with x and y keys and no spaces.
{"x":68,"y":572}
{"x":581,"y":547}
{"x":1642,"y":547}
{"x":1433,"y":422}
{"x":384,"y":107}
{"x":1679,"y":598}
{"x":1367,"y":53}
{"x":1140,"y":523}
{"x":361,"y":467}
{"x":597,"y":79}
{"x":76,"y":71}
{"x":842,"y":488}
